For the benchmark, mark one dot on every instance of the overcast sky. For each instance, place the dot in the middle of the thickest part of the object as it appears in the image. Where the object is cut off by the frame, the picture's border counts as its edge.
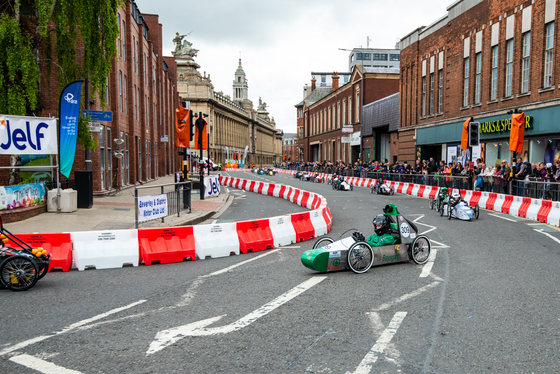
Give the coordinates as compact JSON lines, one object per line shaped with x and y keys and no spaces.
{"x":281,"y":42}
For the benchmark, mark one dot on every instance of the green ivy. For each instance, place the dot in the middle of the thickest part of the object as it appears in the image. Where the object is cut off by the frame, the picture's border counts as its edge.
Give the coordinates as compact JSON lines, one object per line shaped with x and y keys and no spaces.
{"x":29,"y":28}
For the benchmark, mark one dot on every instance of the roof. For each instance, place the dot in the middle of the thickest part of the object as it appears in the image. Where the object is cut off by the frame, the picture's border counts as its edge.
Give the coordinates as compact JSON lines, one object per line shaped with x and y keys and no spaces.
{"x":288,"y":136}
{"x":317,"y":94}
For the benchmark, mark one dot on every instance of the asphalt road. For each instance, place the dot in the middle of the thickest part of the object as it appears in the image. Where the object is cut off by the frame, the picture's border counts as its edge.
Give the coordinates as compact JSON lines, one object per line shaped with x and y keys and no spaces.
{"x":489,"y":302}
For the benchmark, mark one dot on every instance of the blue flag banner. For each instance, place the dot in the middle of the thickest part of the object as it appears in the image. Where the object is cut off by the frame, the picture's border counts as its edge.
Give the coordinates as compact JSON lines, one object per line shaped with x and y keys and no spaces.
{"x":69,"y":112}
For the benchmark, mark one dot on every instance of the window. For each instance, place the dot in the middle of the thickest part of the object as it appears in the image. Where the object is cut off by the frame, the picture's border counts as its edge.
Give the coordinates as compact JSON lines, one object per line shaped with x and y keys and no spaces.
{"x":134,"y":53}
{"x":123,"y":41}
{"x":139,"y":161}
{"x":494,"y":85}
{"x":137,"y":59}
{"x":125,"y":95}
{"x":548,"y":55}
{"x":394,"y":57}
{"x":466,"y":83}
{"x":380,"y":56}
{"x":122,"y":161}
{"x":120,"y":35}
{"x":102,"y":155}
{"x":120,"y":89}
{"x":134,"y":102}
{"x":107,"y":90}
{"x":323,"y":79}
{"x":238,"y":79}
{"x":148,"y":160}
{"x":440,"y":92}
{"x":109,"y":167}
{"x":346,"y":79}
{"x":423,"y":96}
{"x":525,"y":65}
{"x":127,"y":157}
{"x":477,"y":78}
{"x":363,"y":56}
{"x":431,"y":94}
{"x":509,"y":67}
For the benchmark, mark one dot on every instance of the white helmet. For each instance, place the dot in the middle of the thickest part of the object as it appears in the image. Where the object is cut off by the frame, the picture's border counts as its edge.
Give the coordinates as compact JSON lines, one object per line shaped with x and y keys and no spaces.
{"x":456,"y":196}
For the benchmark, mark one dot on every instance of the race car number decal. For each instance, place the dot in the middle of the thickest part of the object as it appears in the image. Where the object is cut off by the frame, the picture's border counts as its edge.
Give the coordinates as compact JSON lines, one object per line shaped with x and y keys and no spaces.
{"x":405,"y":230}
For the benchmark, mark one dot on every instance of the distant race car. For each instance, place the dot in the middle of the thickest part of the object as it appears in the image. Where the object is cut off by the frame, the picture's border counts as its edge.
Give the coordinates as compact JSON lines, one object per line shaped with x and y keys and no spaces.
{"x":356,"y":254}
{"x":380,"y":187}
{"x":298,"y":174}
{"x":342,"y":185}
{"x":455,"y":207}
{"x":305,"y":177}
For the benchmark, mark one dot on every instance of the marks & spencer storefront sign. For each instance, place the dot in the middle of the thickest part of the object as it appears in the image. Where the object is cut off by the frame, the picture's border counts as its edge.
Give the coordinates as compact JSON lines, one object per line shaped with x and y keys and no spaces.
{"x":502,"y":125}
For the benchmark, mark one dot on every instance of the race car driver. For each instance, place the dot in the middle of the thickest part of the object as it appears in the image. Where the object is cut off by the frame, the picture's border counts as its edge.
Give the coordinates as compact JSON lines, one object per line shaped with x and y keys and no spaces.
{"x":382,"y":237}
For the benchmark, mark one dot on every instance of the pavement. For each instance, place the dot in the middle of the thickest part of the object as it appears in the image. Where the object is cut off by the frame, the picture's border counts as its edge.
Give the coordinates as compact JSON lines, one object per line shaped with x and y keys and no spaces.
{"x":118,"y":212}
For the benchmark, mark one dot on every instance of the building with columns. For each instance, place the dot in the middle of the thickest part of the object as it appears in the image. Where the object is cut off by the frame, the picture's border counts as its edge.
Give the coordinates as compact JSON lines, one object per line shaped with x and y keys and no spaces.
{"x":233,"y":124}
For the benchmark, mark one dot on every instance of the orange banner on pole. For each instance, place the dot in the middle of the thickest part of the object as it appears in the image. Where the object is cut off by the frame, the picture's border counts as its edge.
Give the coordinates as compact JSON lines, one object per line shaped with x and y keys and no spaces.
{"x":517,"y":134}
{"x":204,"y":136}
{"x":182,"y":127}
{"x":465,"y":135}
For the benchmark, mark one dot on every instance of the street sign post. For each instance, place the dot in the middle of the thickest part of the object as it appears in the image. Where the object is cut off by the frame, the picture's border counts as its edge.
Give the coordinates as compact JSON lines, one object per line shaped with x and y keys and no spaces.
{"x":99,"y":115}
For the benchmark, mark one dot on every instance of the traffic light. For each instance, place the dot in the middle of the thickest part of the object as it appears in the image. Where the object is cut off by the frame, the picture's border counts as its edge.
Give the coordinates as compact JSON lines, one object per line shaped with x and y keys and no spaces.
{"x":192,"y":118}
{"x":474,"y":134}
{"x":200,"y":133}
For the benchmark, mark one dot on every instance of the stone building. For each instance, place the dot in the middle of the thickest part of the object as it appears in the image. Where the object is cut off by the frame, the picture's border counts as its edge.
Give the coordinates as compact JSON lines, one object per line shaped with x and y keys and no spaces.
{"x":482,"y":59}
{"x":233,"y":124}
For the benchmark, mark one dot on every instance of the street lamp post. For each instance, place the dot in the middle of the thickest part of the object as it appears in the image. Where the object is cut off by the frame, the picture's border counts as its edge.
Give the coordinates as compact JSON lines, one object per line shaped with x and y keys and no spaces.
{"x":262,"y":136}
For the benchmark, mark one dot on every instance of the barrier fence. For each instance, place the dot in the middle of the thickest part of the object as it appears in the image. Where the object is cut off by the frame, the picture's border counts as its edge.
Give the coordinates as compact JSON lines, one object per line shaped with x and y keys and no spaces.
{"x":116,"y":248}
{"x":178,"y":200}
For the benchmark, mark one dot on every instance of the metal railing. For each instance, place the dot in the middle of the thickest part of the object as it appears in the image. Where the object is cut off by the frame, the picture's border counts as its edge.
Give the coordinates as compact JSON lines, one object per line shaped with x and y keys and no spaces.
{"x":178,"y":200}
{"x":531,"y":187}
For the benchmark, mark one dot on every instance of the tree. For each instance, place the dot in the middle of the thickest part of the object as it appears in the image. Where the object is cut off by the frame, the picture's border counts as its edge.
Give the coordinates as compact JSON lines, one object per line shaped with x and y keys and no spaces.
{"x":43,"y":33}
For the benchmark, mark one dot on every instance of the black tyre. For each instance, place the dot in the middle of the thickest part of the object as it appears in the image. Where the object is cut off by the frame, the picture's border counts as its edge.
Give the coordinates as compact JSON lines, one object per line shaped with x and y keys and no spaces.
{"x":392,"y":191}
{"x":476,"y":211}
{"x":351,"y":187}
{"x":333,"y":186}
{"x":441,"y":209}
{"x":43,"y":270}
{"x":360,"y":257}
{"x":420,"y":249}
{"x":449,"y":210}
{"x":431,"y":203}
{"x":371,"y":190}
{"x":438,"y":204}
{"x":322,"y":242}
{"x":19,"y":273}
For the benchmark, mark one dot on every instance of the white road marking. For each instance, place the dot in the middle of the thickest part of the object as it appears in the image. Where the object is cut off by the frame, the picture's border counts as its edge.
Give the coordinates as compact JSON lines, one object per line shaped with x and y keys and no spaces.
{"x":214,"y":221}
{"x":406,"y":297}
{"x":166,"y":337}
{"x":427,"y":268}
{"x":225,"y":270}
{"x":69,"y":328}
{"x":550,"y":236}
{"x":502,"y":217}
{"x":439,"y":245}
{"x":41,"y":365}
{"x":385,"y":338}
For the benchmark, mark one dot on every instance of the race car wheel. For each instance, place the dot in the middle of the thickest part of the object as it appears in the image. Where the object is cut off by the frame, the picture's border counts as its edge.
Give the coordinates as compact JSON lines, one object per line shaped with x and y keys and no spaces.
{"x":449,"y":209}
{"x":43,"y":270}
{"x":441,"y":209}
{"x":360,"y":257}
{"x":371,"y":190}
{"x":431,"y":203}
{"x":322,"y":242}
{"x":19,"y":273}
{"x":351,"y":187}
{"x":476,"y":211}
{"x":420,"y":250}
{"x":392,"y":191}
{"x":333,"y":186}
{"x":438,"y":205}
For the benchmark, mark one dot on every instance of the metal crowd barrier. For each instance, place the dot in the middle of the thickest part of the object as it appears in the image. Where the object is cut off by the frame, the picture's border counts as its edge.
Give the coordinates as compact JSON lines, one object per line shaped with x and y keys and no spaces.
{"x":178,"y":200}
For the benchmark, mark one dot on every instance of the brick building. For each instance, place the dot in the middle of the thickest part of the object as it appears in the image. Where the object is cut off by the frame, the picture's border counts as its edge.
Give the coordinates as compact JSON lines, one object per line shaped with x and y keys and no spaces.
{"x":326,"y":110}
{"x":141,"y":92}
{"x":290,"y":149}
{"x":481,"y":60}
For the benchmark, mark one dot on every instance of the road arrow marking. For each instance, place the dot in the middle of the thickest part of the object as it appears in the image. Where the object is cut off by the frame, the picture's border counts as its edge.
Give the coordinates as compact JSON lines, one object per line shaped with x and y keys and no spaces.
{"x":41,"y":366}
{"x":167,"y":337}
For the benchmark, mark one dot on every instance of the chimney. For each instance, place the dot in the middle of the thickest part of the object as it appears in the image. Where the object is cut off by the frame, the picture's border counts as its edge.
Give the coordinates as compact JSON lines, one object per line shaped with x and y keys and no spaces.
{"x":335,"y":81}
{"x":313,"y":80}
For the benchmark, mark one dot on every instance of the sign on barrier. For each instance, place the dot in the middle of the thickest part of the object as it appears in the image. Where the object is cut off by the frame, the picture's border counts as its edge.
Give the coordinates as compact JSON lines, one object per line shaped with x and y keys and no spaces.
{"x":152,"y":207}
{"x":254,"y":236}
{"x":211,"y":186}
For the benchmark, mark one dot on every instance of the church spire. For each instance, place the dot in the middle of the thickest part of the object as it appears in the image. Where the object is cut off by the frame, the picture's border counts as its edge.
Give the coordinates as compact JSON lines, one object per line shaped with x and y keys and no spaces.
{"x":240,"y":86}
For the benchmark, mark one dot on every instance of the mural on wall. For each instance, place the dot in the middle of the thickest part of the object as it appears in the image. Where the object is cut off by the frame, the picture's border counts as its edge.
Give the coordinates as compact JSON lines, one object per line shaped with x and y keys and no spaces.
{"x":22,"y":196}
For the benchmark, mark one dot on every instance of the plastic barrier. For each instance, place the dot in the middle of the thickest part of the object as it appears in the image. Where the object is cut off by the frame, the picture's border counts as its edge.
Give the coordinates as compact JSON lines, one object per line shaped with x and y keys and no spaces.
{"x":500,"y":201}
{"x":166,"y":245}
{"x":554,"y":215}
{"x":281,"y":191}
{"x":533,"y":209}
{"x":433,"y":191}
{"x":216,"y":240}
{"x":544,"y":211}
{"x":491,"y":200}
{"x":295,"y":196}
{"x":515,"y":205}
{"x":525,"y":204}
{"x":58,"y":245}
{"x":318,"y":222}
{"x":400,"y":187}
{"x":271,"y":189}
{"x":244,"y":184}
{"x":251,"y":186}
{"x":304,"y":198}
{"x":105,"y":249}
{"x":463,"y":194}
{"x":254,"y":236}
{"x":283,"y":232}
{"x":427,"y":192}
{"x":263,"y":188}
{"x":409,"y":188}
{"x":475,"y":197}
{"x":507,"y":203}
{"x":316,"y":203}
{"x":420,"y":191}
{"x":303,"y":226}
{"x":414,"y":190}
{"x":328,"y":217}
{"x":483,"y":199}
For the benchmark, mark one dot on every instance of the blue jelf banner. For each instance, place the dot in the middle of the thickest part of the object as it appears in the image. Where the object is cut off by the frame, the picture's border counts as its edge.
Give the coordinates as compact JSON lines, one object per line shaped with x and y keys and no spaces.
{"x":69,"y":112}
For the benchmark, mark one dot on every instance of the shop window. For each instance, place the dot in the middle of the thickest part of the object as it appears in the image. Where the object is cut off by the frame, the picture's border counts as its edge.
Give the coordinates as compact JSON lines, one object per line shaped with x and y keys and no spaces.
{"x":423,"y":96}
{"x":440,"y":92}
{"x":431,"y":94}
{"x":477,"y":80}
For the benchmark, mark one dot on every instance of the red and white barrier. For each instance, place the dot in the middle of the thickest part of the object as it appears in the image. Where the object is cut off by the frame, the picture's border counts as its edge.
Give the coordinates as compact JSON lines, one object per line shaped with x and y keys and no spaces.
{"x":105,"y":249}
